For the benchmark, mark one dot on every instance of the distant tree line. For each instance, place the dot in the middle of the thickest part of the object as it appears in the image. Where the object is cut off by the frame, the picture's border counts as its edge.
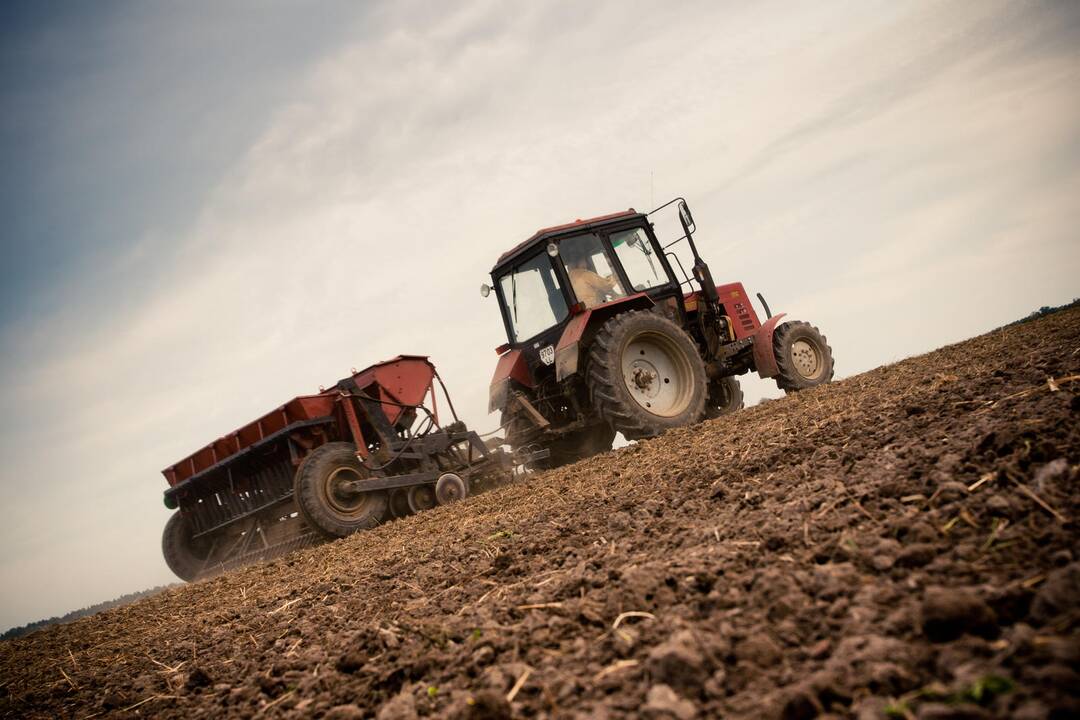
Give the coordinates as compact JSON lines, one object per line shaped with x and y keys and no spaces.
{"x":84,"y":612}
{"x":1042,"y":312}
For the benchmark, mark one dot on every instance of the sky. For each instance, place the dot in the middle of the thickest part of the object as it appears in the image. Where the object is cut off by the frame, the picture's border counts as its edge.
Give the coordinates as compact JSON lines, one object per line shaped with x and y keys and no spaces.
{"x":208,"y":208}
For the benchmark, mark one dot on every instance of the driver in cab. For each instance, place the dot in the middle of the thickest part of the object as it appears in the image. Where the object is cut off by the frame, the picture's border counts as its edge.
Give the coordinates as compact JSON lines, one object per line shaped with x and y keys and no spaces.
{"x":590,"y":287}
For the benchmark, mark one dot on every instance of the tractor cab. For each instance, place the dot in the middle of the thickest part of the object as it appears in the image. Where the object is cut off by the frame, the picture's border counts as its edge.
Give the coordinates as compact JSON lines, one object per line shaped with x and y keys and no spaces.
{"x":564,"y":271}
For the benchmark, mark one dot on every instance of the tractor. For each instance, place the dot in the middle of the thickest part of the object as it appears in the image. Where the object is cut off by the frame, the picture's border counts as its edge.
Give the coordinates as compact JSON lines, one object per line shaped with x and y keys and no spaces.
{"x":603,"y":337}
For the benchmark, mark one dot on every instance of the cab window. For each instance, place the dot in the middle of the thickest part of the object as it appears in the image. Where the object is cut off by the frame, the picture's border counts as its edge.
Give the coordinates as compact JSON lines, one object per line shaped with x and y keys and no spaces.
{"x":534,"y":299}
{"x":642,"y":267}
{"x":590,"y":271}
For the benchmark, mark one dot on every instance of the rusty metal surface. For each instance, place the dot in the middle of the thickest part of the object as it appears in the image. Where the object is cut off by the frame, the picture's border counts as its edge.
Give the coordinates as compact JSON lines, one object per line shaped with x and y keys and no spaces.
{"x":764,"y":357}
{"x":403,"y":380}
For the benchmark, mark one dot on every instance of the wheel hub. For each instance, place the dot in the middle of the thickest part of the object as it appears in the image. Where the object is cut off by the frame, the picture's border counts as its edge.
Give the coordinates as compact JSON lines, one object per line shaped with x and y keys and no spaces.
{"x":339,"y":491}
{"x":643,"y":378}
{"x":657,"y":376}
{"x":805,"y":358}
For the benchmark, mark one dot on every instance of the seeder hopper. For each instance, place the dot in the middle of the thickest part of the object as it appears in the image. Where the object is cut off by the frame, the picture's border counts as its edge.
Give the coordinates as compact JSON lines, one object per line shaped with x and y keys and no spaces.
{"x":322,"y":466}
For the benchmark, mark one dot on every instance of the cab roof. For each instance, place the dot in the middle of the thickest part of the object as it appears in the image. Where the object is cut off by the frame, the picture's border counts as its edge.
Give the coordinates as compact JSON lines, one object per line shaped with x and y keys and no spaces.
{"x":545,"y":233}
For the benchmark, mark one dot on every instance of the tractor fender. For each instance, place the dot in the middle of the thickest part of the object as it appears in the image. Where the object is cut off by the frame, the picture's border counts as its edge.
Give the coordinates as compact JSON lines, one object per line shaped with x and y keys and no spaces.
{"x":764,"y":355}
{"x":568,"y":349}
{"x":512,"y":366}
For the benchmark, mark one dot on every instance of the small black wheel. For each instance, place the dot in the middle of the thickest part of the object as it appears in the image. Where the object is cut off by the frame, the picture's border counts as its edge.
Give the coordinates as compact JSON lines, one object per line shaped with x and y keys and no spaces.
{"x":324,"y":497}
{"x":399,"y":503}
{"x":725,"y":397}
{"x":803,"y":356}
{"x":186,"y":556}
{"x":645,"y":375}
{"x":421,"y":497}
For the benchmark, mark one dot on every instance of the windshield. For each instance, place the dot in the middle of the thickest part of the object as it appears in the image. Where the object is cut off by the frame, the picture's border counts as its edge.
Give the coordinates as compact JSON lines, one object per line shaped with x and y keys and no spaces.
{"x":637,"y":257}
{"x":534,"y":299}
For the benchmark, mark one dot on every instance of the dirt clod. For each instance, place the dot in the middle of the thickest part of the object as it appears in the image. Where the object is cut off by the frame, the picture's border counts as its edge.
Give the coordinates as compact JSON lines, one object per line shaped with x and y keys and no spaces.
{"x":948,"y":613}
{"x":789,"y":560}
{"x":679,"y":663}
{"x":663,"y":703}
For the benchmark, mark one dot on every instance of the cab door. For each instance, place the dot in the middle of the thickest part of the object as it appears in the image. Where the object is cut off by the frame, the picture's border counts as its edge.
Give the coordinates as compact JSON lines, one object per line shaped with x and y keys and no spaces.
{"x":645,"y":269}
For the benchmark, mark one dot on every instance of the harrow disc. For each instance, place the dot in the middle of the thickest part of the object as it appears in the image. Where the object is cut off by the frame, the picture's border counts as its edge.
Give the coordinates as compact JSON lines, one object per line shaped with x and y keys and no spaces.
{"x":450,"y":488}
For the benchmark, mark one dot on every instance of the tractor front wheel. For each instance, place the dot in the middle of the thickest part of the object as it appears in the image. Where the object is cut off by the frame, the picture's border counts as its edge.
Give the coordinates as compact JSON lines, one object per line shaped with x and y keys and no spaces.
{"x":725,"y":397}
{"x":326,"y":500}
{"x":185,"y":556}
{"x":645,"y":375}
{"x":803,"y":357}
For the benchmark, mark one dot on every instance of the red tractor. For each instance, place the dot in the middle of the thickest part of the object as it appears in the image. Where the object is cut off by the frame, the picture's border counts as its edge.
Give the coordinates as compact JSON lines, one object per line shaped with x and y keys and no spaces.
{"x":604,"y":337}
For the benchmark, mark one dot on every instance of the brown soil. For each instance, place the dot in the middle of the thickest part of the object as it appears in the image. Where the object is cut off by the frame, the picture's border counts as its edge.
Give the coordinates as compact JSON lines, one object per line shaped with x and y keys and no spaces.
{"x":902,"y":543}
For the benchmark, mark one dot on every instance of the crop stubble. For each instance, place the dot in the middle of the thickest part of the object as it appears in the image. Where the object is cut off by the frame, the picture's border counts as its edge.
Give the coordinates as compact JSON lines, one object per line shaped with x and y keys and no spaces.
{"x":903,"y":542}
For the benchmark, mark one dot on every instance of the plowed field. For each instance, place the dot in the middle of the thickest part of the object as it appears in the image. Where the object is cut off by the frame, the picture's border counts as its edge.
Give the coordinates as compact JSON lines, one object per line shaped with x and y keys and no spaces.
{"x":903,"y":543}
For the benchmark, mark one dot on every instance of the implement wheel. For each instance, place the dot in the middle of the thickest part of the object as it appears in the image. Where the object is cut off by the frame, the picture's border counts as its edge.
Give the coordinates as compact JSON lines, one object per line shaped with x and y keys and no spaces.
{"x":803,"y":356}
{"x":725,"y":397}
{"x":450,"y":488}
{"x":399,"y":503}
{"x":325,"y":500}
{"x":185,"y":556}
{"x":422,"y":497}
{"x":645,"y":375}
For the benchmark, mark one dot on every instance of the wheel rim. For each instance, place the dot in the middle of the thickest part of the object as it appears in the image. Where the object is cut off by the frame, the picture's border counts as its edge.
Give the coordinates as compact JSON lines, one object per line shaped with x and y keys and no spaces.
{"x":450,"y":488}
{"x":399,"y":503}
{"x":806,"y":358}
{"x":345,"y":503}
{"x":657,"y":374}
{"x":421,"y":497}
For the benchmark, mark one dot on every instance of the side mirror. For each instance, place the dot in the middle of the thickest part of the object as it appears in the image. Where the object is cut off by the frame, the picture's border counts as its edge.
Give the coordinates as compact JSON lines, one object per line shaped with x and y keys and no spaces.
{"x":485,"y":290}
{"x":686,"y":218}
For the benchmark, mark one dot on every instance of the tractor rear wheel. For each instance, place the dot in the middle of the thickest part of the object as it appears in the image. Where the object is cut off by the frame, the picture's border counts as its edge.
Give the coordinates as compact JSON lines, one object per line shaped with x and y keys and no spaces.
{"x":185,"y":556}
{"x":725,"y":397}
{"x":645,"y":375}
{"x":324,"y":498}
{"x":803,"y":356}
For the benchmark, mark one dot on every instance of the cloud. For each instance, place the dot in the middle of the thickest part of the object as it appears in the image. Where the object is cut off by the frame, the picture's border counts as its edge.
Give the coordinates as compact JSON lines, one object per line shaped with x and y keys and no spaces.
{"x":870,"y":168}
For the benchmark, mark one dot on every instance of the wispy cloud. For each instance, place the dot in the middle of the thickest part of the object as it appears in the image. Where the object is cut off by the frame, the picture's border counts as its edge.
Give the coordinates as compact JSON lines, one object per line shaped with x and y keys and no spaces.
{"x":873,"y":168}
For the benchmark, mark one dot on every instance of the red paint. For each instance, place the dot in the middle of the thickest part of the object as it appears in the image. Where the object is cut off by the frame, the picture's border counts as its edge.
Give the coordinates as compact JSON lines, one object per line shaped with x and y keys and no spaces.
{"x":567,"y":226}
{"x":764,"y":356}
{"x":405,"y":379}
{"x":513,"y":365}
{"x":737,"y":306}
{"x":576,"y":327}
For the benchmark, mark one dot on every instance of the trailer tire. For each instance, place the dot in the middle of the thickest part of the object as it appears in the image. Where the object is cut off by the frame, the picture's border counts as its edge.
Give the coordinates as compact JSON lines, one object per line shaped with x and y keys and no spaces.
{"x":645,"y":375}
{"x":185,"y":556}
{"x":330,"y":511}
{"x":803,"y":356}
{"x":725,"y":397}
